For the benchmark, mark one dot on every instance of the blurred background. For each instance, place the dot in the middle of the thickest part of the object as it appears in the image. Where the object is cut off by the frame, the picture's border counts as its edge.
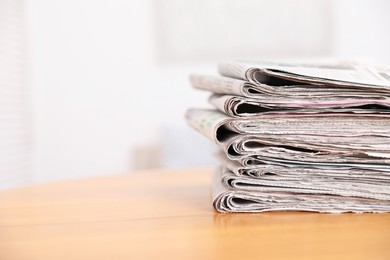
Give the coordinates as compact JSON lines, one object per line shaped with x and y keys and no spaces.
{"x":98,"y":87}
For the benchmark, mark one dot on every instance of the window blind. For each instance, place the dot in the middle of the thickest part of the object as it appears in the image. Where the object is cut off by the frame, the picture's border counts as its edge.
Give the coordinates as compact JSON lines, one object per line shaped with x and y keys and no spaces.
{"x":15,"y":125}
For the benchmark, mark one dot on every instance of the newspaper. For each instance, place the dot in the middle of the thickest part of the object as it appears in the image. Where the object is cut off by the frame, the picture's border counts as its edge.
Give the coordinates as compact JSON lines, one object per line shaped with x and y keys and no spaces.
{"x":316,"y":183}
{"x":227,"y":198}
{"x":338,"y":74}
{"x":291,"y":170}
{"x":238,"y":106}
{"x":358,"y":146}
{"x":221,"y":128}
{"x":304,"y":137}
{"x":244,"y":88}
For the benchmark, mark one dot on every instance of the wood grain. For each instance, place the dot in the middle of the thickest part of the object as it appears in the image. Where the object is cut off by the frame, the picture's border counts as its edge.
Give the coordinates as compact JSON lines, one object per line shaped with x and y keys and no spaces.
{"x":167,"y":214}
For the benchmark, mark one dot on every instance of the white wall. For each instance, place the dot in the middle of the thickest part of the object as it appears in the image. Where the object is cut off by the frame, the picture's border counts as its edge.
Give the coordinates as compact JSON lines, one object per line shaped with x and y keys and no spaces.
{"x":96,"y":91}
{"x":361,"y":30}
{"x":251,"y":29}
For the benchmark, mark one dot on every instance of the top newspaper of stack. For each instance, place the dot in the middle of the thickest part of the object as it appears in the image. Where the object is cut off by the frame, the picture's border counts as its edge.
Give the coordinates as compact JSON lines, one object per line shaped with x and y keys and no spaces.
{"x":250,"y":88}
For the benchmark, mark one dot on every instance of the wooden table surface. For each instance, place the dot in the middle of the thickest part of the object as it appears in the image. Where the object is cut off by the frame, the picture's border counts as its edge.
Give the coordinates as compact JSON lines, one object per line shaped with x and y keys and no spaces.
{"x":168,"y":214}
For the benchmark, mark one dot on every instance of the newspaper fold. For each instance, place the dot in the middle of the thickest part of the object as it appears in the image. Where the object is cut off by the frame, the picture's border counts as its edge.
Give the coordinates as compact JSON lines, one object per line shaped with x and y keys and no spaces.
{"x":277,"y":74}
{"x":237,"y":106}
{"x":260,"y":198}
{"x":290,"y":170}
{"x":312,"y":184}
{"x":221,"y":128}
{"x":244,"y":88}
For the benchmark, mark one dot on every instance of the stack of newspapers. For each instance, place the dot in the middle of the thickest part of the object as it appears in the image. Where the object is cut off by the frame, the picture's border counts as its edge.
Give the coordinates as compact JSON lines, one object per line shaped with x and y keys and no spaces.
{"x":298,"y":137}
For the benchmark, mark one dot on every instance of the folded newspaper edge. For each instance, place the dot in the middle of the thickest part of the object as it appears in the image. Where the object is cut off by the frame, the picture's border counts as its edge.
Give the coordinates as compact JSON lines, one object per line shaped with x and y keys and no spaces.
{"x":227,"y":199}
{"x":291,"y":170}
{"x":237,"y":106}
{"x":361,"y":147}
{"x":220,"y":128}
{"x":342,"y":75}
{"x":244,"y":88}
{"x":310,"y":184}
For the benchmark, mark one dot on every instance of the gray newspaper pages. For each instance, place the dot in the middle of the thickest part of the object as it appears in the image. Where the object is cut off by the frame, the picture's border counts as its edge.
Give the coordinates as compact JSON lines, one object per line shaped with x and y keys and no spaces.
{"x":298,"y":136}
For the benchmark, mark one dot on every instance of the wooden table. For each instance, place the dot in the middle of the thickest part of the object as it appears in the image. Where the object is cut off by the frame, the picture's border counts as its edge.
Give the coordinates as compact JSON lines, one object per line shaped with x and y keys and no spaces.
{"x":167,"y":214}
